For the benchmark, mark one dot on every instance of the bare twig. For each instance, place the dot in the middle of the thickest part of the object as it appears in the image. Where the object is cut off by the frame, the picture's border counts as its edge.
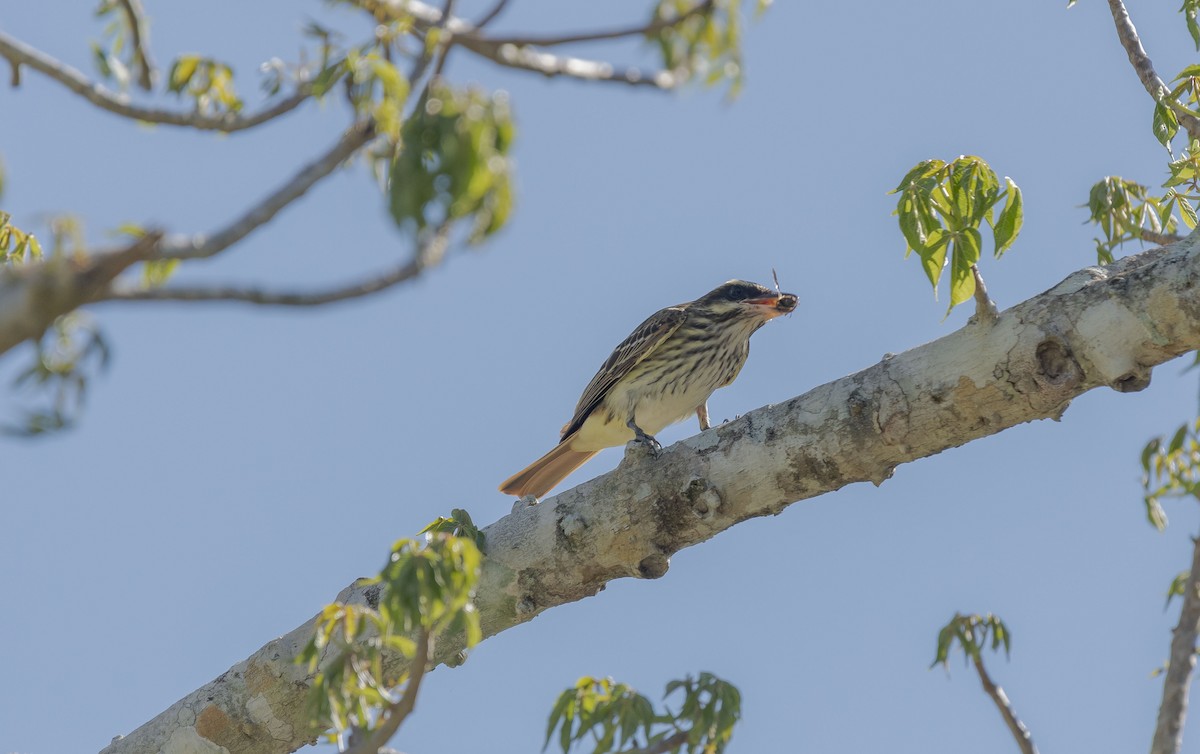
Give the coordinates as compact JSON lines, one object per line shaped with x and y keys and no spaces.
{"x":430,"y":255}
{"x":985,"y":309}
{"x":403,"y":706}
{"x":1168,"y":732}
{"x":492,"y":14}
{"x":1015,"y":726}
{"x":18,"y":54}
{"x":441,"y":50}
{"x":206,"y":246}
{"x":1145,"y":68}
{"x":1162,"y":239}
{"x":673,"y":741}
{"x":640,"y":30}
{"x":135,"y":17}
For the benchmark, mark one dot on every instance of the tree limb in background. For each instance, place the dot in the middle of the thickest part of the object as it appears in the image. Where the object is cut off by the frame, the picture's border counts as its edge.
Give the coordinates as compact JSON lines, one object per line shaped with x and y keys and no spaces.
{"x":206,"y":246}
{"x":33,"y":295}
{"x":1100,"y":327}
{"x":523,"y":58}
{"x":1168,"y":732}
{"x":640,"y":30}
{"x":1019,"y":732}
{"x":135,"y":17}
{"x":1145,"y":68}
{"x":430,"y":254}
{"x":18,"y":53}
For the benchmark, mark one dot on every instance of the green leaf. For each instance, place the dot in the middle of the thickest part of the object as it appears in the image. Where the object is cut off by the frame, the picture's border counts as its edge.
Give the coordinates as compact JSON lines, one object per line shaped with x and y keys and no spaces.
{"x":1012,"y":217}
{"x":1166,"y":123}
{"x":329,"y":76}
{"x":966,"y":253}
{"x":182,"y":72}
{"x":1190,"y":72}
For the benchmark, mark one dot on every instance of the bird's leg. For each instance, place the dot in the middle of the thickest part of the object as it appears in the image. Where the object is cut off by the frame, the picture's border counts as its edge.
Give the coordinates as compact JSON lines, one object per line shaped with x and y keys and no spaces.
{"x":702,"y":415}
{"x":642,"y":437}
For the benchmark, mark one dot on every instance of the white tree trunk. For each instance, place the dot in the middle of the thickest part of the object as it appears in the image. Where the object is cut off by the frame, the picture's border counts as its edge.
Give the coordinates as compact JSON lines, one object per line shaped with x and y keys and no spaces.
{"x":1099,"y":327}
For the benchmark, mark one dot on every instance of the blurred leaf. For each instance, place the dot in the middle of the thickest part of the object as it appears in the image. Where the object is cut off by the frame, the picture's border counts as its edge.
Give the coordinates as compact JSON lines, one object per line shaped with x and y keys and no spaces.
{"x":704,"y":45}
{"x":1176,"y":589}
{"x":158,"y":271}
{"x":1171,"y":469}
{"x":209,"y":83}
{"x":453,"y":163}
{"x":428,"y":588}
{"x":1189,"y":10}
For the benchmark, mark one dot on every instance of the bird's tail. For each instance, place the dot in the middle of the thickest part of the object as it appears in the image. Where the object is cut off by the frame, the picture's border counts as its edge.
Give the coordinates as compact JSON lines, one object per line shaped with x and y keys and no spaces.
{"x":542,"y":475}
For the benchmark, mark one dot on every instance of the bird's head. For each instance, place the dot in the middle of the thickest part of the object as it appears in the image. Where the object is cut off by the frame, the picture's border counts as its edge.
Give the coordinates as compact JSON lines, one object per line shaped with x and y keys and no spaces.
{"x":744,"y":297}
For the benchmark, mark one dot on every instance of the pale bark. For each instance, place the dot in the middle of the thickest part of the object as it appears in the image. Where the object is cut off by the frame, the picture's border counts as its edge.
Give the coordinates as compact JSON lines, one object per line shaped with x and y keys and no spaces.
{"x":34,"y":294}
{"x":1099,"y":327}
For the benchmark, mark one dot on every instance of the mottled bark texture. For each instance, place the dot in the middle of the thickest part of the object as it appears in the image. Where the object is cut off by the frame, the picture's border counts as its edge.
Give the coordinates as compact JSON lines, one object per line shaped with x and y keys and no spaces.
{"x":1099,"y":327}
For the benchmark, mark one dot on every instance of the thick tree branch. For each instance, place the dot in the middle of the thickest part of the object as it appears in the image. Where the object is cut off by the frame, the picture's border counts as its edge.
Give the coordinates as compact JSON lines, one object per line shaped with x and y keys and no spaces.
{"x":1168,"y":732}
{"x":135,"y":18}
{"x":1019,"y":732}
{"x":206,"y":246}
{"x":430,"y":254}
{"x":33,"y":295}
{"x":1102,"y":326}
{"x":18,"y":54}
{"x":1145,"y":68}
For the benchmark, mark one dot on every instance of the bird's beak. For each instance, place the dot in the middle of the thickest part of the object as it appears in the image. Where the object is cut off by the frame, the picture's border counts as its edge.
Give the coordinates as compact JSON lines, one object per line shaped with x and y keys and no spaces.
{"x":775,"y":305}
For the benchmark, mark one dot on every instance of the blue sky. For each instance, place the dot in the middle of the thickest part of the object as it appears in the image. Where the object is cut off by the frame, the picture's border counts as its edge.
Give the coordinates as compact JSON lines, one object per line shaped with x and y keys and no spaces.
{"x":237,"y":467}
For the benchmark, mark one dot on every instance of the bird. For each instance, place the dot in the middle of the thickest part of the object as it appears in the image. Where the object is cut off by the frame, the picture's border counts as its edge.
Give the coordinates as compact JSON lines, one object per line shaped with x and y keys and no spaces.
{"x":662,"y":373}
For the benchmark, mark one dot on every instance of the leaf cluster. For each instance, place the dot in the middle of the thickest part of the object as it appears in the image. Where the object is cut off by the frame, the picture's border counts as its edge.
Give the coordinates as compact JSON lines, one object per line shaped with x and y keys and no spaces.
{"x":428,"y":588}
{"x":972,"y":633}
{"x":208,"y":82}
{"x":614,"y":716}
{"x":1171,"y":469}
{"x":453,"y":162}
{"x":17,"y":247}
{"x":941,"y":209}
{"x":115,"y":57}
{"x":459,"y":524}
{"x":67,"y":355}
{"x":706,"y":44}
{"x":1124,"y":209}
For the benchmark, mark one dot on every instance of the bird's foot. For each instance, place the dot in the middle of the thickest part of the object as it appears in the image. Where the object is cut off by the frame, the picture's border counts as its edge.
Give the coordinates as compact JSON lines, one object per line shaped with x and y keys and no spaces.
{"x":525,"y":501}
{"x":642,"y":444}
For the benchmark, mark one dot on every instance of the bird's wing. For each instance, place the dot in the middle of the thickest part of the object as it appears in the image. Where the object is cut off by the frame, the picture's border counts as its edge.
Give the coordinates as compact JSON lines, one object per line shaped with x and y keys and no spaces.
{"x":640,"y":344}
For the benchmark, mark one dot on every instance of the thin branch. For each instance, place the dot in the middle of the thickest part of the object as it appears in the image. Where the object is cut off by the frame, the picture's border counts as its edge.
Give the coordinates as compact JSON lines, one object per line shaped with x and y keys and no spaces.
{"x":18,"y":53}
{"x":430,"y":255}
{"x":135,"y":17}
{"x":403,"y":707}
{"x":1145,"y":68}
{"x":985,"y":309}
{"x":529,"y":59}
{"x":206,"y":246}
{"x":1015,"y":726}
{"x":640,"y":30}
{"x":673,"y":741}
{"x":1168,"y":732}
{"x":1162,"y":239}
{"x":442,"y":49}
{"x":523,"y":58}
{"x":492,"y":14}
